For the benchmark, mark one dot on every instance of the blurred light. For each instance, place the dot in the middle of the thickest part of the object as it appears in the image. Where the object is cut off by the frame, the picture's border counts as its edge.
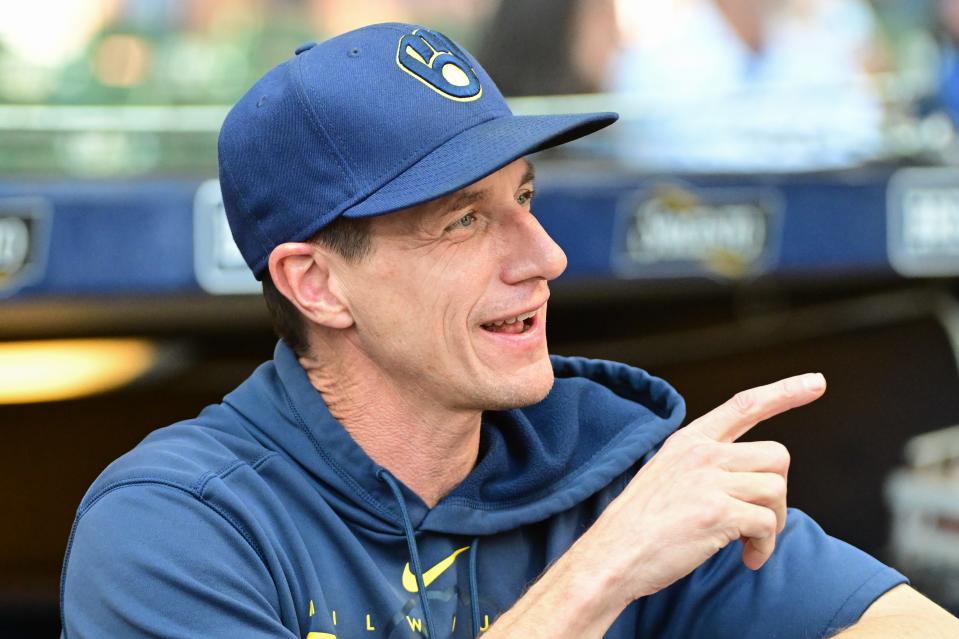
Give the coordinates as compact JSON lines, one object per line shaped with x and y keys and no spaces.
{"x":49,"y":32}
{"x":53,"y":370}
{"x":645,"y":22}
{"x":102,"y":153}
{"x":179,"y":119}
{"x":121,"y":60}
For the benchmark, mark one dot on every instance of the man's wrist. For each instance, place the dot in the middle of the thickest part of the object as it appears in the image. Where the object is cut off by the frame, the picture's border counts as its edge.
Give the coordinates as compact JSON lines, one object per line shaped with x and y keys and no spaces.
{"x":595,"y":593}
{"x":573,"y":598}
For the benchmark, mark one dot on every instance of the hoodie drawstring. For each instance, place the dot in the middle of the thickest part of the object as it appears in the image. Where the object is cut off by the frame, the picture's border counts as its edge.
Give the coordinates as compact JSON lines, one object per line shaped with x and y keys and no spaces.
{"x":474,"y":590}
{"x":384,"y":476}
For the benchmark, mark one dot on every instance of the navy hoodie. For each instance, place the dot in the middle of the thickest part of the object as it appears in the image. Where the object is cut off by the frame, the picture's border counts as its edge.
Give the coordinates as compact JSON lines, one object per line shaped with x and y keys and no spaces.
{"x":262,"y":518}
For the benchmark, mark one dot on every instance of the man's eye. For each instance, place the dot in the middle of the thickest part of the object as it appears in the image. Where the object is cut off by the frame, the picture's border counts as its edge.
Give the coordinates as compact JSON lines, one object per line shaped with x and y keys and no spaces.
{"x":462,"y":223}
{"x":525,"y":197}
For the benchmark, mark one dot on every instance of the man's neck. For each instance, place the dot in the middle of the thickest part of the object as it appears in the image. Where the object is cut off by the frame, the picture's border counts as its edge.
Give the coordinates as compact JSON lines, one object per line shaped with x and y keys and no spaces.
{"x":427,"y":447}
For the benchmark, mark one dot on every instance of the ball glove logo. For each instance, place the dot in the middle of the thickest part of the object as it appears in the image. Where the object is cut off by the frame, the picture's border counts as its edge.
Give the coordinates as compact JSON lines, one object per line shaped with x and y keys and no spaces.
{"x":435,"y":61}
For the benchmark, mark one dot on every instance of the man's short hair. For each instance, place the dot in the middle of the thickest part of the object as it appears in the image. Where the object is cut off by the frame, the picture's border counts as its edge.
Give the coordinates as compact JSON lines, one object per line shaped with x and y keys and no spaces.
{"x":350,"y":238}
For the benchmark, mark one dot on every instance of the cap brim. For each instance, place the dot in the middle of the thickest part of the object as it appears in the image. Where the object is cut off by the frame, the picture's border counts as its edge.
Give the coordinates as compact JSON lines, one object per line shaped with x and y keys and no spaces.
{"x":475,"y":153}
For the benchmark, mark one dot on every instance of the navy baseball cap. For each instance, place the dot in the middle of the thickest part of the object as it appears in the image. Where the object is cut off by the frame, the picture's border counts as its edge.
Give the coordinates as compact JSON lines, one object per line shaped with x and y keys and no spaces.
{"x":375,"y":120}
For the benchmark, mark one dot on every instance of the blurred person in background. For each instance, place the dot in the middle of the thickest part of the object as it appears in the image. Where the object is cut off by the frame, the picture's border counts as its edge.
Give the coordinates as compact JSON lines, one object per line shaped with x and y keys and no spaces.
{"x":569,"y":51}
{"x":947,"y":97}
{"x":699,"y":47}
{"x":728,"y":47}
{"x":376,"y":183}
{"x":751,"y":83}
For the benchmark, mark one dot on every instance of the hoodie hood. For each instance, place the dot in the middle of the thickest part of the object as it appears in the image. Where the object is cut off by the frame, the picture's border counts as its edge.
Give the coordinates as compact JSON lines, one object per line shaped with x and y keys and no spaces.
{"x":599,"y":419}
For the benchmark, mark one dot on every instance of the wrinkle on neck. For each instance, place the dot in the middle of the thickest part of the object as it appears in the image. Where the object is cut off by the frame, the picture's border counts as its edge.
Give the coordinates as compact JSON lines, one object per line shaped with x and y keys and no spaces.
{"x":428,"y":447}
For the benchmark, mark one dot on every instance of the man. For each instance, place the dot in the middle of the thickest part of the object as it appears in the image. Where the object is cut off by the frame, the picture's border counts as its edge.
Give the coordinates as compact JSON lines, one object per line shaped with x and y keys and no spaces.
{"x":412,"y":462}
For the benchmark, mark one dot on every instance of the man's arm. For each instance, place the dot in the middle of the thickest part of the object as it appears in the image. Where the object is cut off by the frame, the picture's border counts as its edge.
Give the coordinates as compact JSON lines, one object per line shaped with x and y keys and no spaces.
{"x":903,"y":613}
{"x":149,"y":560}
{"x":699,"y":493}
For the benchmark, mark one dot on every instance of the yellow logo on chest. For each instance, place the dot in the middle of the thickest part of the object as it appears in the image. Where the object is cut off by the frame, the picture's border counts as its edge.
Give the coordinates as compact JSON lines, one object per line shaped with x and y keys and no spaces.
{"x":409,"y":580}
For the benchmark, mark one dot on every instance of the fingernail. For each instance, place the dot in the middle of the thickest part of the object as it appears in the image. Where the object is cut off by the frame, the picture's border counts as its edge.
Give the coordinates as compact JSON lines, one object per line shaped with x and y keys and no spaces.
{"x":814,"y":381}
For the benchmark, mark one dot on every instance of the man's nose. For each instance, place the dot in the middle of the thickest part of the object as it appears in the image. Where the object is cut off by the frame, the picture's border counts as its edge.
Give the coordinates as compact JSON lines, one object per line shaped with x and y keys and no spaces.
{"x":532,"y":252}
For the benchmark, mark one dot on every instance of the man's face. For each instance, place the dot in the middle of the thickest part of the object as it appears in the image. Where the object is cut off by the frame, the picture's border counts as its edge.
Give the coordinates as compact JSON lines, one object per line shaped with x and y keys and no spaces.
{"x":451,"y":303}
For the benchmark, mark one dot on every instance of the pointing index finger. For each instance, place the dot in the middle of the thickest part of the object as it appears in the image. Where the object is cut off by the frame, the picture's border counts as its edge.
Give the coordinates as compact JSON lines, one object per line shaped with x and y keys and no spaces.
{"x":731,"y":420}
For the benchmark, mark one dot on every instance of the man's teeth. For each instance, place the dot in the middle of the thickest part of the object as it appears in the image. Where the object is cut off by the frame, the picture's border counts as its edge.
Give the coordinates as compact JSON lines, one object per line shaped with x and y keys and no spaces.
{"x":513,"y":320}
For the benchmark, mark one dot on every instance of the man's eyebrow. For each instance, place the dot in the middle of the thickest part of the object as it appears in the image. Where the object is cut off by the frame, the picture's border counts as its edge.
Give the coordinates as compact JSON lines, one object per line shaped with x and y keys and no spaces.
{"x":530,"y":174}
{"x":466,"y":197}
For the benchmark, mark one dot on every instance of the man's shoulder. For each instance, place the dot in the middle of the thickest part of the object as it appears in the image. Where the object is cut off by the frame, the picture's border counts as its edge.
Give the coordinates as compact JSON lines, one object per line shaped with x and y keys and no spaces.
{"x":184,"y":455}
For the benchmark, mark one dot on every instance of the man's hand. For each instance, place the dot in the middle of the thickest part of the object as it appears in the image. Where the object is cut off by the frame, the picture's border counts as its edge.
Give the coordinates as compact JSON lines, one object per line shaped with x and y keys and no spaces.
{"x":700,"y":492}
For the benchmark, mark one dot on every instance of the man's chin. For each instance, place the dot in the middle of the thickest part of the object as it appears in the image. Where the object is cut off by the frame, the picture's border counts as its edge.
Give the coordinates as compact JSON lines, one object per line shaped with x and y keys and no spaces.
{"x":525,"y":389}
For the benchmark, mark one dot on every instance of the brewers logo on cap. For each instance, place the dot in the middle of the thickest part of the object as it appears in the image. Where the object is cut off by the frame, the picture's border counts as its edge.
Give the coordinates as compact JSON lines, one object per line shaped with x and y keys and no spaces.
{"x":434,"y":60}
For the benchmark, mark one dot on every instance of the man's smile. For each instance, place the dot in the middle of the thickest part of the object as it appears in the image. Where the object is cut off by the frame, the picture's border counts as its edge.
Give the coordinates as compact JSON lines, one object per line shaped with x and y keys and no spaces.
{"x":512,"y":325}
{"x":516,"y":323}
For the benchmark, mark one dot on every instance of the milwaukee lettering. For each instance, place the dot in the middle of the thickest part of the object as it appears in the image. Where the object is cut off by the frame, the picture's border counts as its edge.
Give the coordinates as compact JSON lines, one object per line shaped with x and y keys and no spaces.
{"x":402,"y":622}
{"x":366,"y":624}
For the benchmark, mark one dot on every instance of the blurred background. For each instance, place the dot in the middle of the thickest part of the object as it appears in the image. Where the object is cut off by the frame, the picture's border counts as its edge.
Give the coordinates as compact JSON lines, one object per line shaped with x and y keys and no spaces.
{"x":781,"y":195}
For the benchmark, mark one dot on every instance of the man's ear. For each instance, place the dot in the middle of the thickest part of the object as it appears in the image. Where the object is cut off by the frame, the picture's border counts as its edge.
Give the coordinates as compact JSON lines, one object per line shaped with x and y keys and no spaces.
{"x":302,"y":275}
